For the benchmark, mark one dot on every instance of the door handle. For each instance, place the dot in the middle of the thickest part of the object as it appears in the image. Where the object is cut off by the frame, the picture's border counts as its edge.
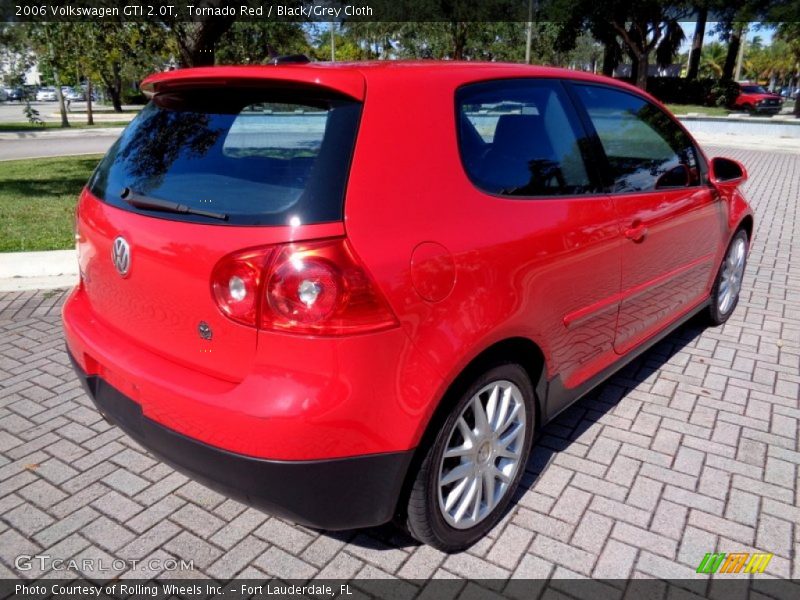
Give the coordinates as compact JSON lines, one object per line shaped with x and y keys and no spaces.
{"x":637,"y":233}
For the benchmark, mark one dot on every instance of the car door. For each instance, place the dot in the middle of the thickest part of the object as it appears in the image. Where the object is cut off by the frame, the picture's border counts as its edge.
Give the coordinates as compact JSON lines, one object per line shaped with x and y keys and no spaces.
{"x":670,"y":220}
{"x":524,"y":147}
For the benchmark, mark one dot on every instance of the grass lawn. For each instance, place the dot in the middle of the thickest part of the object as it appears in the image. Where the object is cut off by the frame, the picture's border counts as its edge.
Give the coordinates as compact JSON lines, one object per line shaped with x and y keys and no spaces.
{"x":682,"y":109}
{"x":17,"y":127}
{"x":37,"y":201}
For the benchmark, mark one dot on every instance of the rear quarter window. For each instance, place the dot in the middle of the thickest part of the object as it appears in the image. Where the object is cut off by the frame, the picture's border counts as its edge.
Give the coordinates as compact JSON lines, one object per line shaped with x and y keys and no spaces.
{"x":521,"y":138}
{"x":259,"y":157}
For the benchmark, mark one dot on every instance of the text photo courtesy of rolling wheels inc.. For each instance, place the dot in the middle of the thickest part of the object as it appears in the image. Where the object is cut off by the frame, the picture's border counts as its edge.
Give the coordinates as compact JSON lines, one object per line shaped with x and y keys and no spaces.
{"x":366,"y":299}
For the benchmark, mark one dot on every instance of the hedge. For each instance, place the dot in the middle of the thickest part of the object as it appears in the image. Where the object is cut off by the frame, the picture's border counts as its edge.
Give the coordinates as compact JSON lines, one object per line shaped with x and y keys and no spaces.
{"x":706,"y":92}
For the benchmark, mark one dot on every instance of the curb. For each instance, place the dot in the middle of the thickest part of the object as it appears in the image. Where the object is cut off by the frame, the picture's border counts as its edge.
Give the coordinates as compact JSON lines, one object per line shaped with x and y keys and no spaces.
{"x":61,"y":133}
{"x":38,"y":270}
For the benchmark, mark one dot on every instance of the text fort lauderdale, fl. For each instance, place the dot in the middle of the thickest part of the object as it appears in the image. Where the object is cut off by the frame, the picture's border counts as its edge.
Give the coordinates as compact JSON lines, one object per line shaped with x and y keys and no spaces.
{"x":156,"y":590}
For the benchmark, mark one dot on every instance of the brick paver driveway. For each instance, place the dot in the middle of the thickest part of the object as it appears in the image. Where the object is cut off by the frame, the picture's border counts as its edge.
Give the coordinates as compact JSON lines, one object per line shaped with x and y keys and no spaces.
{"x":692,"y":449}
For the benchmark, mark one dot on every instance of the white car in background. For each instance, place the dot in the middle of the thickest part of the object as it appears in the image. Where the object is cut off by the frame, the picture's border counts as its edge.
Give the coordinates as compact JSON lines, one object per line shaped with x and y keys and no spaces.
{"x":74,"y":95}
{"x":47,"y":94}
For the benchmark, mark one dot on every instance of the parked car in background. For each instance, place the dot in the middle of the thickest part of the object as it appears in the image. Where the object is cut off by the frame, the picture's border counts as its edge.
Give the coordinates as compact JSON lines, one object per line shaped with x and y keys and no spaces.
{"x":3,"y":95}
{"x":74,"y":95}
{"x":755,"y":99}
{"x":238,"y":315}
{"x":790,"y":92}
{"x":46,"y":94}
{"x":14,"y":94}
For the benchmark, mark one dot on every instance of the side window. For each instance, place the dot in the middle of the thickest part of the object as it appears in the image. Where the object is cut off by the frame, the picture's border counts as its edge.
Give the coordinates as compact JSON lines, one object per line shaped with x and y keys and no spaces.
{"x":520,"y":138}
{"x":645,"y":148}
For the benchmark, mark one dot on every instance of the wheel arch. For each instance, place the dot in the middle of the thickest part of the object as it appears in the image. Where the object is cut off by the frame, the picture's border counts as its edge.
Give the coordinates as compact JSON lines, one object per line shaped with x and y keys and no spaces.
{"x":747,"y":224}
{"x":520,"y":350}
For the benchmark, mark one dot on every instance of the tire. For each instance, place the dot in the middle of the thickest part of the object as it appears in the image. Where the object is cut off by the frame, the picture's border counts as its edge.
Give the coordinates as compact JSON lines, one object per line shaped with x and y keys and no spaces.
{"x":474,"y":471}
{"x":729,"y":279}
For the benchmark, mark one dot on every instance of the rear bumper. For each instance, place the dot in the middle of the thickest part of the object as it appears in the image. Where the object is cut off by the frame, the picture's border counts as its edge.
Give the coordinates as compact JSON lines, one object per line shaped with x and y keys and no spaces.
{"x":303,"y":398}
{"x":341,"y":493}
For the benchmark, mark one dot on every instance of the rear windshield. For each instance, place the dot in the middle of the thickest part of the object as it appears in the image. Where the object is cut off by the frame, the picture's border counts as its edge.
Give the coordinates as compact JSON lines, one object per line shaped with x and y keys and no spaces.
{"x":249,"y":157}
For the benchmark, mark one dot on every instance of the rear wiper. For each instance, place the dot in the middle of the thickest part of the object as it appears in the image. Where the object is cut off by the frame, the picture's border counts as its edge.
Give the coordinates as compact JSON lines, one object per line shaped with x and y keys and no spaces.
{"x":146,"y":202}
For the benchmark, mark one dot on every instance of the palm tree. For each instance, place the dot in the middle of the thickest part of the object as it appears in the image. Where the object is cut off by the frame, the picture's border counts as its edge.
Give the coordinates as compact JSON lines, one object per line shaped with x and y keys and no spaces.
{"x":697,"y":41}
{"x":712,"y":60}
{"x":790,"y":33}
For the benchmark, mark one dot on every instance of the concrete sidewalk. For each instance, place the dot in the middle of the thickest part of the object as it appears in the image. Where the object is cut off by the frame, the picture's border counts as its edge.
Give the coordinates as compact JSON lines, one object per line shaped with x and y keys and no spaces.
{"x":747,"y":142}
{"x":37,"y":270}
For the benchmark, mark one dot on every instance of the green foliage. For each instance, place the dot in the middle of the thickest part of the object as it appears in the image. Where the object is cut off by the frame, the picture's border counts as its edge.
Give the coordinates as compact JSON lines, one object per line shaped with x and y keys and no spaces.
{"x":133,"y":97}
{"x":110,"y":52}
{"x":712,"y":59}
{"x":32,"y":114}
{"x":251,"y":42}
{"x":680,"y":90}
{"x":764,"y":62}
{"x":723,"y":92}
{"x":647,"y":30}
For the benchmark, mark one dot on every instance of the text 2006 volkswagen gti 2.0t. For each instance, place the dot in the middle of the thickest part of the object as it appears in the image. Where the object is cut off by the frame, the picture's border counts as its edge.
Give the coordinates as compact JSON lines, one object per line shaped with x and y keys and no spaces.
{"x":353,"y":293}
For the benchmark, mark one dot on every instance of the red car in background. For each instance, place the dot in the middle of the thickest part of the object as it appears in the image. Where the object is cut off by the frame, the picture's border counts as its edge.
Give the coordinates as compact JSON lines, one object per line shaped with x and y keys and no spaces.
{"x":352,"y":293}
{"x":755,"y":99}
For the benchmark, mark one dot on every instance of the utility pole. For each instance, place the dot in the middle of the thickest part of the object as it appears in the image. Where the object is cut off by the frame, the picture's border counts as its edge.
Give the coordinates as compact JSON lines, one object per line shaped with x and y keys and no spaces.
{"x":333,"y":42}
{"x":529,"y":33}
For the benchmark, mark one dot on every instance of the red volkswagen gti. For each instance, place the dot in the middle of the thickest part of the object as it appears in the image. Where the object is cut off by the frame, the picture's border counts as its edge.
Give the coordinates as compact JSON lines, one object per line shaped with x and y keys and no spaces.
{"x":353,"y":293}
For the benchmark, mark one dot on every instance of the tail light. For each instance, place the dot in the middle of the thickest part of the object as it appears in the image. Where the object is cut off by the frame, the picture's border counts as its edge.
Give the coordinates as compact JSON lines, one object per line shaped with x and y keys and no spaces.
{"x":314,"y":288}
{"x":236,"y":282}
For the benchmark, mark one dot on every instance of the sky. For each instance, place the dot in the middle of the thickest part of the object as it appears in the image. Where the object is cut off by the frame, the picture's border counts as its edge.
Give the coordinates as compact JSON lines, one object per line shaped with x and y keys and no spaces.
{"x":688,"y":28}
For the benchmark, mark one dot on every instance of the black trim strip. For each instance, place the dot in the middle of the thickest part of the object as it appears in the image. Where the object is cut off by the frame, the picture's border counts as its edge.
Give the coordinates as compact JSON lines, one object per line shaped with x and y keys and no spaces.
{"x":336,"y":494}
{"x":559,"y":397}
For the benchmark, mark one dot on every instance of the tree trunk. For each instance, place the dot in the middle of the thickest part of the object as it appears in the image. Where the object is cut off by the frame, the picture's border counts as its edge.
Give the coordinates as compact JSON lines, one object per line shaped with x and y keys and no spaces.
{"x":60,"y":96}
{"x":113,"y":87}
{"x":89,"y":113}
{"x":634,"y":67}
{"x":733,"y":52}
{"x":642,"y":64}
{"x":115,"y":98}
{"x":609,"y":60}
{"x":697,"y":43}
{"x":459,"y":40}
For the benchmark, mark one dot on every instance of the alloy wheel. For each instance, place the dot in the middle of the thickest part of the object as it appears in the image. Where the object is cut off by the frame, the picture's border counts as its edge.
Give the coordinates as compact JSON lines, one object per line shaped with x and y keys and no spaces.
{"x":731,"y":277}
{"x":483,"y":454}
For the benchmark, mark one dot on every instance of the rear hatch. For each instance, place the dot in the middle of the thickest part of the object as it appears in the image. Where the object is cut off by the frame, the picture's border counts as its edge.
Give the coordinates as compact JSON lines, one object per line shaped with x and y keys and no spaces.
{"x":202,"y":172}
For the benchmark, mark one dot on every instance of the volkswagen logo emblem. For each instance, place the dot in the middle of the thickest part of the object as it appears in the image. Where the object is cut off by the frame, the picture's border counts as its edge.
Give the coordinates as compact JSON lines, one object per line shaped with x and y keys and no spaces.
{"x":121,"y":256}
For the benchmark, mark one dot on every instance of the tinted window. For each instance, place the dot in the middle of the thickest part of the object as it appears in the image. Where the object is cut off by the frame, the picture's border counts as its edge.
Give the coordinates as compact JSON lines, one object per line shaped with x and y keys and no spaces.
{"x":753,"y":89}
{"x":258,"y":157}
{"x":519,"y":138}
{"x":644,"y":146}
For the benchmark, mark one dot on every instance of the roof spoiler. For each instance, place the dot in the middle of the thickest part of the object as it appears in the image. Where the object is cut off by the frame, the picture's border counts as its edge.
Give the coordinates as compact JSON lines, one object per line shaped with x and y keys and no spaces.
{"x":346,"y":81}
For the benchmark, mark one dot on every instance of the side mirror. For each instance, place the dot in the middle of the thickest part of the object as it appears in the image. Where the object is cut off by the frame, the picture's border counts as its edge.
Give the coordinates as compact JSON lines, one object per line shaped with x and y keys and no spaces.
{"x":726,"y":172}
{"x":676,"y":177}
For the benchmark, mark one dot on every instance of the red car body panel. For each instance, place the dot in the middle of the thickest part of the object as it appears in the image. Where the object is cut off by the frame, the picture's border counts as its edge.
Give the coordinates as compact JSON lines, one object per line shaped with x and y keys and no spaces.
{"x":461,"y":269}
